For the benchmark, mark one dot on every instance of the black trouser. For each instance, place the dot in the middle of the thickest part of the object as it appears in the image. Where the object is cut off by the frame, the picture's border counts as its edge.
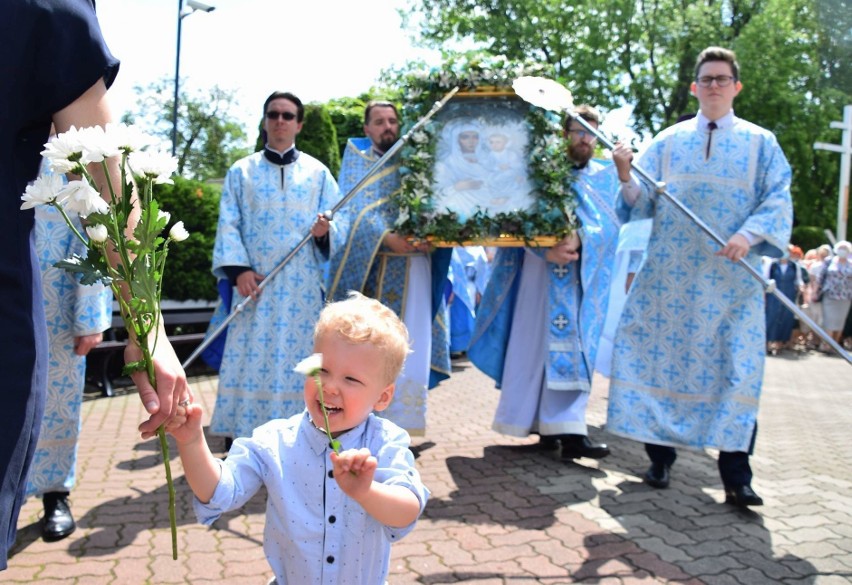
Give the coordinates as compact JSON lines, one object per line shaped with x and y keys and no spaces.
{"x":734,"y":467}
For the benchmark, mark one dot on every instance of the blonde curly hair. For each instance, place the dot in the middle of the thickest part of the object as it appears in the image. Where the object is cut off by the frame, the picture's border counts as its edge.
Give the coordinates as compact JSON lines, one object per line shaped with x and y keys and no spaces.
{"x":359,"y":319}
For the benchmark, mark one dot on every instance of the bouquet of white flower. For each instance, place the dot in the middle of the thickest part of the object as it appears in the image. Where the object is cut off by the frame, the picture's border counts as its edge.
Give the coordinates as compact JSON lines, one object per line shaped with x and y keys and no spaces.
{"x":126,"y":247}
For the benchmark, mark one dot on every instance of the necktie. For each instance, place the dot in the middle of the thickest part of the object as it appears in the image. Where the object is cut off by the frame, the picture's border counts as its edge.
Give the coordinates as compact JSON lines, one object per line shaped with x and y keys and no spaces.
{"x":276,"y":158}
{"x":710,"y":127}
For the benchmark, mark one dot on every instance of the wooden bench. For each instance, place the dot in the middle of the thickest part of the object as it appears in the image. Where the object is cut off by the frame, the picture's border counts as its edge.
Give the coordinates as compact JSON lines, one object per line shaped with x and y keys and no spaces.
{"x":101,"y":364}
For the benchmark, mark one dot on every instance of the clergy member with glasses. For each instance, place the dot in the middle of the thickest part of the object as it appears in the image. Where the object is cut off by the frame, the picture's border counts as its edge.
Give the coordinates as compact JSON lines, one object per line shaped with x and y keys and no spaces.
{"x":270,"y":201}
{"x":689,"y":349}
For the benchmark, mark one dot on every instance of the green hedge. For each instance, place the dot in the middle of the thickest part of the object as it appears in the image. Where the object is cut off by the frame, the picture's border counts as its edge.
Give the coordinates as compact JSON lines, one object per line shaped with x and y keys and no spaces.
{"x":188,"y":273}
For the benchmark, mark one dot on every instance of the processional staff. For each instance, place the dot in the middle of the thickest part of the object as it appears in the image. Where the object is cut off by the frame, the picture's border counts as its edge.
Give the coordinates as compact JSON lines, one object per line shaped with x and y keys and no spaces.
{"x":550,"y":95}
{"x":328,"y":214}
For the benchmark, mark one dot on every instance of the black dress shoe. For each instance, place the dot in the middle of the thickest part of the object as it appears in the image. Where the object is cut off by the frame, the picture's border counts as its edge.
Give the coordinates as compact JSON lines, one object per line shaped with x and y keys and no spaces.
{"x":58,"y":521}
{"x":548,"y":443}
{"x":576,"y":446}
{"x":657,"y":476}
{"x":742,"y":496}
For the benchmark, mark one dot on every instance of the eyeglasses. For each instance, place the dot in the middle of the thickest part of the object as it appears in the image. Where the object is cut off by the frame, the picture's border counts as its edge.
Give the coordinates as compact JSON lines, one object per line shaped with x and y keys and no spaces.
{"x":581,"y":133}
{"x":272,"y":115}
{"x":721,"y":80}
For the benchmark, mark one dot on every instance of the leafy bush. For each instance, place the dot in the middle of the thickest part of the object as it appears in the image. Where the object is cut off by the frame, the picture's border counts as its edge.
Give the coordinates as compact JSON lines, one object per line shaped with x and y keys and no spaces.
{"x":318,"y":137}
{"x":188,"y":268}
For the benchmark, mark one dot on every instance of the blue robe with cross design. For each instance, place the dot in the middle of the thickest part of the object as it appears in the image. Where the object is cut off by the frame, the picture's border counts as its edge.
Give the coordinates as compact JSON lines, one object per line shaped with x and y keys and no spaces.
{"x":690,"y":345}
{"x":577,"y":294}
{"x":265,"y":211}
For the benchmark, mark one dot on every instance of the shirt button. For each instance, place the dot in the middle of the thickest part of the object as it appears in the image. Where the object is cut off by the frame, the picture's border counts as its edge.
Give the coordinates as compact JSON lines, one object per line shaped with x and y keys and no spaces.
{"x":329,"y":559}
{"x":331,"y":473}
{"x":332,"y":519}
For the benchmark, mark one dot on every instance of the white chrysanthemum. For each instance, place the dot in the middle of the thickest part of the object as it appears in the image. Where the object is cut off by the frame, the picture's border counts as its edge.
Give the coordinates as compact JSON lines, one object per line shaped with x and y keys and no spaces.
{"x":128,"y":138}
{"x":82,"y":199}
{"x":164,"y":215}
{"x":309,"y":366}
{"x":96,"y":145}
{"x":42,"y":191}
{"x":158,"y":165}
{"x":64,"y":151}
{"x":178,"y":232}
{"x":97,"y":233}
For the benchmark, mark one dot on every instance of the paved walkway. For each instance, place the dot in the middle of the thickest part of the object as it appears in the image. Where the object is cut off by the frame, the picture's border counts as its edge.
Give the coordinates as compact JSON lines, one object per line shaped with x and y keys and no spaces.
{"x":499,"y":513}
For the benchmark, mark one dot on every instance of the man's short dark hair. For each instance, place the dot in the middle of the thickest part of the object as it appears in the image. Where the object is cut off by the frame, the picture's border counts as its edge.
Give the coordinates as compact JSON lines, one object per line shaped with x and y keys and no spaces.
{"x":585,"y":111}
{"x":718,"y":54}
{"x":277,"y":95}
{"x":378,"y":104}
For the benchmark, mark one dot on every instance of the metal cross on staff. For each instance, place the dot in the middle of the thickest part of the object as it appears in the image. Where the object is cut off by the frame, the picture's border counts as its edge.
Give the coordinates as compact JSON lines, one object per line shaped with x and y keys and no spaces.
{"x":548,"y":94}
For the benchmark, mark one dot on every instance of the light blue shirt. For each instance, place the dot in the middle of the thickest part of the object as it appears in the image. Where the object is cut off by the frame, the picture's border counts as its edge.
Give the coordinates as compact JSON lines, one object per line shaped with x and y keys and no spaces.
{"x":315,"y":533}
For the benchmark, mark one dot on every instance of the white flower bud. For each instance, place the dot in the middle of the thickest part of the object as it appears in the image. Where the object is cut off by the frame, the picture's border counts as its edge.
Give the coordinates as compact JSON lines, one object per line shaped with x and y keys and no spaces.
{"x":97,"y":233}
{"x":178,"y":233}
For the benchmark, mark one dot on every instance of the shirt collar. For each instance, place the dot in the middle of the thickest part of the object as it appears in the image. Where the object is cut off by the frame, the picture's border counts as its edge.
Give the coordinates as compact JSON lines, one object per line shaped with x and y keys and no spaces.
{"x":280,"y":157}
{"x":318,"y":440}
{"x":722,"y":123}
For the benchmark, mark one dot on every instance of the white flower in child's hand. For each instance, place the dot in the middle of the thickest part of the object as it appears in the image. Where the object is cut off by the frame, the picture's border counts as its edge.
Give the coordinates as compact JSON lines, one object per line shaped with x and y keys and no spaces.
{"x":42,"y":191}
{"x":178,"y":232}
{"x":97,"y":233}
{"x":83,"y":199}
{"x":309,"y":366}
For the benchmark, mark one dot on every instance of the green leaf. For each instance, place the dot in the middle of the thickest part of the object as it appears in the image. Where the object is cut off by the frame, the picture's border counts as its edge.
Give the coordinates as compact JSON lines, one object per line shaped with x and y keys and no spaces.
{"x":92,"y":269}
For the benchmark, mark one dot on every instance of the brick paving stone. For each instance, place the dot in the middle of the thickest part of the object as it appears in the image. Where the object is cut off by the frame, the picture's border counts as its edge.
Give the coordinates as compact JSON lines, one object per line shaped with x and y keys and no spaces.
{"x":500,"y":513}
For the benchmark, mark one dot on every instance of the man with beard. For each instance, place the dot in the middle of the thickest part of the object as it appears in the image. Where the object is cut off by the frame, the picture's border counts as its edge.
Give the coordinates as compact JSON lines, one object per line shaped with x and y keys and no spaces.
{"x":538,"y":326}
{"x":382,"y":264}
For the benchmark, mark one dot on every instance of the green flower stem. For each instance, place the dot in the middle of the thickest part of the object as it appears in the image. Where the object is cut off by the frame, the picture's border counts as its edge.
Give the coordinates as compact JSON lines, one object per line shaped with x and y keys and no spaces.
{"x":335,"y":444}
{"x":164,"y":448}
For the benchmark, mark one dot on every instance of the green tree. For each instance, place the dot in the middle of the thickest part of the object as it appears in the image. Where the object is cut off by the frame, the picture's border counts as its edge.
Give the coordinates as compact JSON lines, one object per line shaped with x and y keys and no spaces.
{"x":209,"y":141}
{"x":319,"y":137}
{"x":611,"y":52}
{"x":188,"y":274}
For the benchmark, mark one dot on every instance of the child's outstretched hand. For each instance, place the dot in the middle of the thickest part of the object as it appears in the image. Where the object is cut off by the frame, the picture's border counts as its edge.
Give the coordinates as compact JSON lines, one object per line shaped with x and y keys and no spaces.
{"x":354,"y":470}
{"x":185,"y":425}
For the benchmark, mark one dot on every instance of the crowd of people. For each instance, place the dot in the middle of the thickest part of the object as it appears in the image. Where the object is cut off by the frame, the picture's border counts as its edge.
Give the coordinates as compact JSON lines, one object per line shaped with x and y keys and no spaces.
{"x":677,"y":326}
{"x":819,"y":282}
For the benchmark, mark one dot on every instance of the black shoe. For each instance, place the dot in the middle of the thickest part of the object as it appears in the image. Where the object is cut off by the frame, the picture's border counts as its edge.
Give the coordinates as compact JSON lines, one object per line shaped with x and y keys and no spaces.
{"x":742,"y":496}
{"x":576,"y":446}
{"x":657,"y":476}
{"x":58,"y":521}
{"x":548,"y":443}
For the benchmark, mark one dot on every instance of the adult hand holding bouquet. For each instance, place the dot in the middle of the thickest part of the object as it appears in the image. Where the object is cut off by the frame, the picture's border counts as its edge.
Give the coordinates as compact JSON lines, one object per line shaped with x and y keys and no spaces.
{"x":126,"y":250}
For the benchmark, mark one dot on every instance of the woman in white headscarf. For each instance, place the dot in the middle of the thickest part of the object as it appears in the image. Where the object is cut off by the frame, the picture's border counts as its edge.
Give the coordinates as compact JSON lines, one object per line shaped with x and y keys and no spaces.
{"x":461,"y":177}
{"x":836,"y":289}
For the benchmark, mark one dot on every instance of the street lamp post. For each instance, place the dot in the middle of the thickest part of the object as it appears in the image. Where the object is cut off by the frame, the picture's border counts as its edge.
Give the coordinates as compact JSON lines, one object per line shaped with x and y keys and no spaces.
{"x":192,"y":6}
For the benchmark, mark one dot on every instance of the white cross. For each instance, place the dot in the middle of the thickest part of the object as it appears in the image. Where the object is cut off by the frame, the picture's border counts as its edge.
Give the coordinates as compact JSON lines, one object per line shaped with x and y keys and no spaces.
{"x":560,"y":270}
{"x":561,"y":322}
{"x":845,"y":150}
